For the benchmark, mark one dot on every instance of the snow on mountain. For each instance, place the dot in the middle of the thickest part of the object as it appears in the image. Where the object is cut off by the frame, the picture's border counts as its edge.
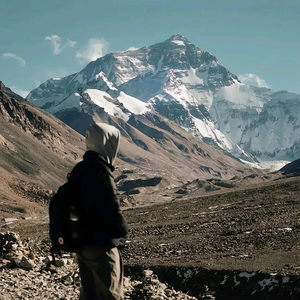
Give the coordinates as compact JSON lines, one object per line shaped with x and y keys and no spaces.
{"x":50,"y":97}
{"x":188,"y":86}
{"x":121,"y":107}
{"x":132,"y":104}
{"x":57,"y":103}
{"x":241,"y":96}
{"x":102,"y":99}
{"x":263,"y":122}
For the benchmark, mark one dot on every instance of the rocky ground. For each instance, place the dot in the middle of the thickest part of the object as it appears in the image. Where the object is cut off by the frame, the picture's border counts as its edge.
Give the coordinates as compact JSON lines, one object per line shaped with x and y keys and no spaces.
{"x":25,"y":273}
{"x":249,"y":229}
{"x":204,"y":245}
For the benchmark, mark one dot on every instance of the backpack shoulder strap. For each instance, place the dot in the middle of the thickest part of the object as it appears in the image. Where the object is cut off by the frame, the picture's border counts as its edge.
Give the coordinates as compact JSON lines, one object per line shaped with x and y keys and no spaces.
{"x":77,"y":172}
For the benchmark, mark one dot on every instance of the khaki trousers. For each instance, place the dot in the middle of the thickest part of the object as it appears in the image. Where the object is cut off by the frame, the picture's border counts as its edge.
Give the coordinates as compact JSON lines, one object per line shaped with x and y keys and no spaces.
{"x":101,"y":272}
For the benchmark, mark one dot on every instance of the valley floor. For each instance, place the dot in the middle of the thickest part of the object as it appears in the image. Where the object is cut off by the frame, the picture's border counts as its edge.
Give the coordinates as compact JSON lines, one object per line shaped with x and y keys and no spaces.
{"x":250,"y":230}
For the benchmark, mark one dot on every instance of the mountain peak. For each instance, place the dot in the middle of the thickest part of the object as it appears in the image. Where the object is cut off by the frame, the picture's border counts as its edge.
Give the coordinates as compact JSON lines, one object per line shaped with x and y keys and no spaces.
{"x":178,"y":39}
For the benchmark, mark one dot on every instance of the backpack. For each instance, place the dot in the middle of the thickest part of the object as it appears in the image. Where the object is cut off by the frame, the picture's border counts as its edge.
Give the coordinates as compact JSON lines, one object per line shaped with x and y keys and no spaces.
{"x":68,"y":226}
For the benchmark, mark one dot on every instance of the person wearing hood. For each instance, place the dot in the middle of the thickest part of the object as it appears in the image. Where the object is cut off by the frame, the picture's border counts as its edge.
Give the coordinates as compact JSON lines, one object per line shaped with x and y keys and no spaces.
{"x":100,"y":262}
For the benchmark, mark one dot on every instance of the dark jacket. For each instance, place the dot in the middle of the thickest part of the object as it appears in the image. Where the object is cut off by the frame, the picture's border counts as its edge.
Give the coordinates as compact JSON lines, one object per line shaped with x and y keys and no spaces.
{"x":99,"y":200}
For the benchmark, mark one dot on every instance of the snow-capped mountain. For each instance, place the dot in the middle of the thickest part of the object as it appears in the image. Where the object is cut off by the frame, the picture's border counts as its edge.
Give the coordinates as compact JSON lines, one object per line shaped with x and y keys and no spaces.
{"x":188,"y":86}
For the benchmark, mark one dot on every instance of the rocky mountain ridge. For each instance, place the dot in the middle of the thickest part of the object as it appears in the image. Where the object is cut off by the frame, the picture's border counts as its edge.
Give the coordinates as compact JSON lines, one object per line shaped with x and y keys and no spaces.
{"x":34,"y":145}
{"x":156,"y":155}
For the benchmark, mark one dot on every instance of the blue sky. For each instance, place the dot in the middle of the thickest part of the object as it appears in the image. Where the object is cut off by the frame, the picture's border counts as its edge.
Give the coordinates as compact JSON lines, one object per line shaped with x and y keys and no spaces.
{"x":257,"y":40}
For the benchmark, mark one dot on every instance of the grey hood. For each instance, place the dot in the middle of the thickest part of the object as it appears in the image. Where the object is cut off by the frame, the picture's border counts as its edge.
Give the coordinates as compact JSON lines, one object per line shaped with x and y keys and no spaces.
{"x":103,"y":139}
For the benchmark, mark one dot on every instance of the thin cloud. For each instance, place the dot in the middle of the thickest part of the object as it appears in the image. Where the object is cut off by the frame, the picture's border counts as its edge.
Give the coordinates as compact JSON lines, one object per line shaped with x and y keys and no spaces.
{"x":252,"y":79}
{"x":57,"y":45}
{"x":21,"y":61}
{"x":95,"y":49}
{"x":21,"y":92}
{"x":37,"y":82}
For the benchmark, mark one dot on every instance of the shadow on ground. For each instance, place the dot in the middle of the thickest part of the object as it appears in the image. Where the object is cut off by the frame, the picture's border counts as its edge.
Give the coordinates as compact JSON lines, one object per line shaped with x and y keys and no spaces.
{"x":225,"y":284}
